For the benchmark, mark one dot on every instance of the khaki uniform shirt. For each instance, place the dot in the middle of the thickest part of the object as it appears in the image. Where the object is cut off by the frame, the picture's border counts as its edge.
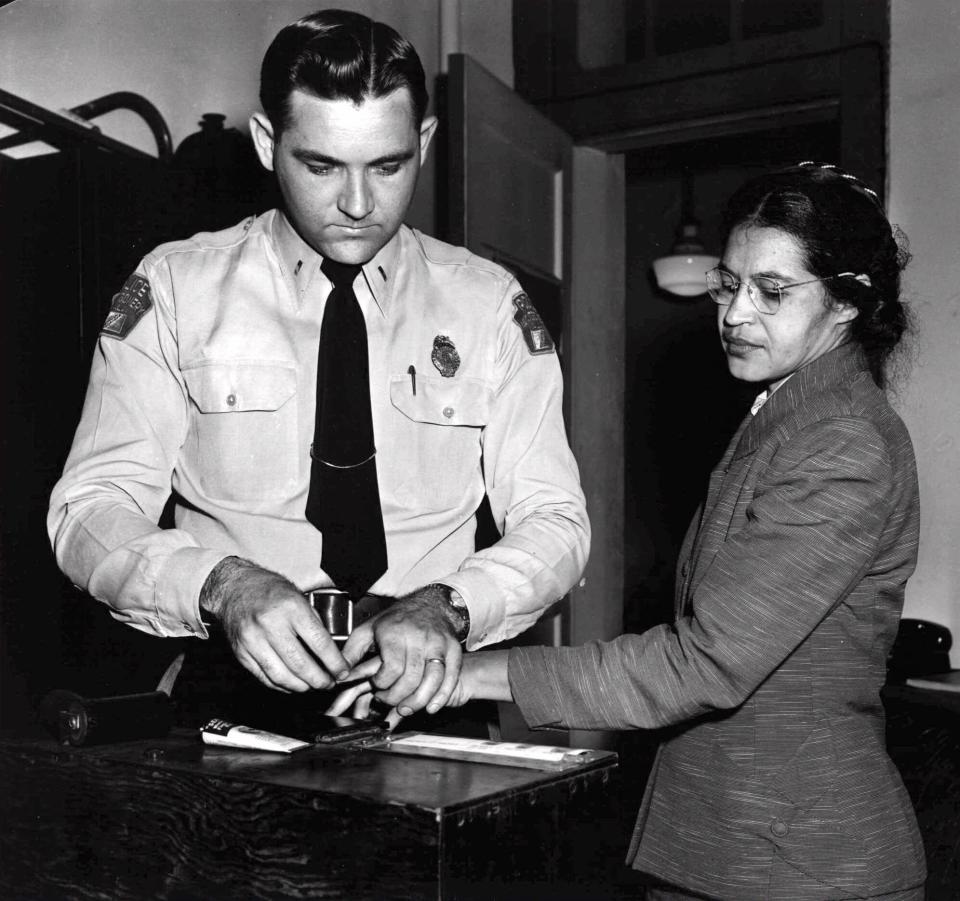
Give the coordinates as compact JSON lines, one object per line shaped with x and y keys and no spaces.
{"x":204,"y":380}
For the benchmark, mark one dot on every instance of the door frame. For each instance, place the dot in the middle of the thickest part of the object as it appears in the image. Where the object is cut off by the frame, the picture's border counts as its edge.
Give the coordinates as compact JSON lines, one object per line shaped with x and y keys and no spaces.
{"x":592,"y":264}
{"x":835,"y":72}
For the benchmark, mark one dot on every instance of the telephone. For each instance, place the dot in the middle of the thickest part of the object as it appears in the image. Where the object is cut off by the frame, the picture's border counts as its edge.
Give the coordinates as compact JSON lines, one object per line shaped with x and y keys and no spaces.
{"x":920,"y":648}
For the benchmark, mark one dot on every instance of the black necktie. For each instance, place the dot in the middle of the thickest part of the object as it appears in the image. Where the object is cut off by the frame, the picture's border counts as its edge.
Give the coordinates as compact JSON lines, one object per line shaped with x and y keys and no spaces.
{"x":344,"y":499}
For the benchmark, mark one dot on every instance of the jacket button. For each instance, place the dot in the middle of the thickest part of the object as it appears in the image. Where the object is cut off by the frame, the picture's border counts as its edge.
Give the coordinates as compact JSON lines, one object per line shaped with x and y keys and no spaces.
{"x":448,"y":412}
{"x":779,"y":828}
{"x":231,"y":399}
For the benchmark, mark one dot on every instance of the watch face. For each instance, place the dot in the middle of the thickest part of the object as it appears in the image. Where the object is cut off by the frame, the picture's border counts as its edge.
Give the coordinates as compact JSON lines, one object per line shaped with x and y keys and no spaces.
{"x":460,"y":618}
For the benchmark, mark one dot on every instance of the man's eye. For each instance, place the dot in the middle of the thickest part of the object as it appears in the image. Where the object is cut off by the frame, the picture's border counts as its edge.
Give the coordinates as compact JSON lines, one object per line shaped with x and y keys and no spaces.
{"x":389,"y":169}
{"x":320,"y":170}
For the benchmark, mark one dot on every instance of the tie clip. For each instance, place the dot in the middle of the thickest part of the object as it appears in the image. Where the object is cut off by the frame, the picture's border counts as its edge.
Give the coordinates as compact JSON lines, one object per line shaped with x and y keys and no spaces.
{"x":313,"y":456}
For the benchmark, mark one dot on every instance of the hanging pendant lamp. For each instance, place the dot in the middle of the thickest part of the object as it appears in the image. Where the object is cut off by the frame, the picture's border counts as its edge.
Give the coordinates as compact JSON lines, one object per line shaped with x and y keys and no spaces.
{"x":683,"y":272}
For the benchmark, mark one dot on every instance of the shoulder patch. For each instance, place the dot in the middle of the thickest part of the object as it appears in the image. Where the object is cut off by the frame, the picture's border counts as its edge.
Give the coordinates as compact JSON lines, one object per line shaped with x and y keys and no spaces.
{"x":534,"y":331}
{"x":127,"y":307}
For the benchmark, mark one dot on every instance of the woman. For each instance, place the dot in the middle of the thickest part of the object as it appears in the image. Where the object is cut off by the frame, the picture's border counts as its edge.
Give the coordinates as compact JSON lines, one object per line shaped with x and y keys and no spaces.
{"x":789,"y":588}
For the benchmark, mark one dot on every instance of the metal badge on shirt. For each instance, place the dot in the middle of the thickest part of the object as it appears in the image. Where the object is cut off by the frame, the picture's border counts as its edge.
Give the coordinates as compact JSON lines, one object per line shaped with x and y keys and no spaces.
{"x":534,"y":331}
{"x":445,"y":356}
{"x":127,"y":307}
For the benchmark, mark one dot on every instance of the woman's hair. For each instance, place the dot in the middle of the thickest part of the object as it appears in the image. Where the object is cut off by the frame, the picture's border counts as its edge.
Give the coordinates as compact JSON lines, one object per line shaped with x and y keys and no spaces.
{"x":842,"y":227}
{"x":338,"y":55}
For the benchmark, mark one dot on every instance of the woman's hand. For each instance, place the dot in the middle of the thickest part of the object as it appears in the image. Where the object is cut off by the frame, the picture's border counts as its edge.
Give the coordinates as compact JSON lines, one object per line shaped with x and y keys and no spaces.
{"x":484,"y":675}
{"x":419,"y":654}
{"x":359,"y":695}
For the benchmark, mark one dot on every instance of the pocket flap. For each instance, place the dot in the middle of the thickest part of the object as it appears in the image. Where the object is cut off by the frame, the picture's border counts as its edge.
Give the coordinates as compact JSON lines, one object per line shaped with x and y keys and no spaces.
{"x":239,"y":387}
{"x":442,"y":401}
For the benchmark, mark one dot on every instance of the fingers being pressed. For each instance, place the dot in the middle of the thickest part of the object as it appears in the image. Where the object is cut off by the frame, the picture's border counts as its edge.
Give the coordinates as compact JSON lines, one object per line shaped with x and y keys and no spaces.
{"x":361,"y":707}
{"x":395,"y":656}
{"x":299,"y":661}
{"x":451,"y":674}
{"x":310,"y":631}
{"x":359,"y":644}
{"x":254,"y":668}
{"x":433,"y":673}
{"x":267,"y":666}
{"x":394,"y":719}
{"x":363,"y":670}
{"x":348,"y":696}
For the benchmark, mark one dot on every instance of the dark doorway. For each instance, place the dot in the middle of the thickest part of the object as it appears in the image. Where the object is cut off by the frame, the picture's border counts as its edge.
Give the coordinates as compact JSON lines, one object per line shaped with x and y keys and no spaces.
{"x":681,"y":405}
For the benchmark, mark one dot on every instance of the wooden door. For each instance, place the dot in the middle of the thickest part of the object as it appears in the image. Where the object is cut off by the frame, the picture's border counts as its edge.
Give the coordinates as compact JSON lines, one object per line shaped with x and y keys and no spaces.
{"x":520,"y":193}
{"x":506,"y":167}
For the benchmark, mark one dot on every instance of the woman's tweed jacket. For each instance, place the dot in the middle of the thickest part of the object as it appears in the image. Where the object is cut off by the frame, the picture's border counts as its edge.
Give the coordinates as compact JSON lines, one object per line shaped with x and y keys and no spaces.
{"x":789,"y":592}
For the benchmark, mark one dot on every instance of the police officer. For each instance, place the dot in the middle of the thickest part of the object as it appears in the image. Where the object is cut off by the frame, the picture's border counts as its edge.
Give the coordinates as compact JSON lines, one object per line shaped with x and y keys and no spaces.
{"x":217,"y":364}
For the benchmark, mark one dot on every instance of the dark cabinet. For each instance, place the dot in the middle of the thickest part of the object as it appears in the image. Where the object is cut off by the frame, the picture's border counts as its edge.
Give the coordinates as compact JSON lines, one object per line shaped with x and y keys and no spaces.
{"x":73,"y":225}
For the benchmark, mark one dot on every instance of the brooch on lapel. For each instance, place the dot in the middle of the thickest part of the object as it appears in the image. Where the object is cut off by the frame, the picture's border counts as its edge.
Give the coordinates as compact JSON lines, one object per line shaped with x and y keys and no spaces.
{"x":445,"y":356}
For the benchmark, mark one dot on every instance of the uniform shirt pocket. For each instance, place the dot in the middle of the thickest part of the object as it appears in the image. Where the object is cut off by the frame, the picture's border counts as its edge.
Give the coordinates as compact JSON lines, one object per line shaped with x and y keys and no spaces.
{"x":441,"y":425}
{"x":244,"y":429}
{"x":442,"y":401}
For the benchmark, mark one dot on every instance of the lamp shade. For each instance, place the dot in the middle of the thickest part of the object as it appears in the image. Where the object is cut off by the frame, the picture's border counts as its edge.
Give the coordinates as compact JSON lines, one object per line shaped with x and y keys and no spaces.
{"x":684,"y":274}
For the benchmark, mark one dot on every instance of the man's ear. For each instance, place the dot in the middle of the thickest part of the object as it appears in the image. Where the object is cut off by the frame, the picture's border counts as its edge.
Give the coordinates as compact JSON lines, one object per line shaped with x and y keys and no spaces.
{"x":262,"y":133}
{"x":427,"y":129}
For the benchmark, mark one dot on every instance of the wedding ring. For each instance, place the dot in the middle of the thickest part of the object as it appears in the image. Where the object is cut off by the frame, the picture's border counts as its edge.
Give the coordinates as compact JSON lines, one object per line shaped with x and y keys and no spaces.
{"x":439,"y":660}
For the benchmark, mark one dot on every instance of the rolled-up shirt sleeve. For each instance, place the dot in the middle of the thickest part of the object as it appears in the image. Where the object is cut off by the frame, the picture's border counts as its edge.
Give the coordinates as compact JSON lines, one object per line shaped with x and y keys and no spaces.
{"x":533,"y":485}
{"x":104,"y":510}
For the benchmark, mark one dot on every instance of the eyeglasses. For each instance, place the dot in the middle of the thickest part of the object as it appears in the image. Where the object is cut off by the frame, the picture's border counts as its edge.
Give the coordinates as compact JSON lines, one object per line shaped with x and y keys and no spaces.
{"x":766,"y":294}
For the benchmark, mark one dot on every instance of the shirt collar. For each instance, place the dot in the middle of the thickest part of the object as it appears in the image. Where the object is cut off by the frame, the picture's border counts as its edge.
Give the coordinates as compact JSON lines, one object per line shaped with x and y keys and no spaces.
{"x":764,"y":396}
{"x":300,"y":263}
{"x":760,"y":400}
{"x":382,"y":271}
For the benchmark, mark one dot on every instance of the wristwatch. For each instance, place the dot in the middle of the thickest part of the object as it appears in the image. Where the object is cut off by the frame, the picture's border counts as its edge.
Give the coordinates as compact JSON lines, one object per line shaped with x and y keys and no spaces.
{"x":455,"y":607}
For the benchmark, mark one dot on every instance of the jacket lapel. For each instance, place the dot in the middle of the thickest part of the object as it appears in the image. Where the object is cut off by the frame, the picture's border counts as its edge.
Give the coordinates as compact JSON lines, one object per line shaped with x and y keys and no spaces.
{"x":728,"y":479}
{"x":837,"y":366}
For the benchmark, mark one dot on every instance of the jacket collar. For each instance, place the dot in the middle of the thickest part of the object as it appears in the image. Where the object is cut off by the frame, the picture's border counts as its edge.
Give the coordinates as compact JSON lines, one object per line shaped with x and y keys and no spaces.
{"x":838,"y":366}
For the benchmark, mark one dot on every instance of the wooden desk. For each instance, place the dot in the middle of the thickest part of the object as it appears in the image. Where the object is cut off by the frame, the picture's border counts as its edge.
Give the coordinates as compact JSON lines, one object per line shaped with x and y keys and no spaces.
{"x":174,"y":819}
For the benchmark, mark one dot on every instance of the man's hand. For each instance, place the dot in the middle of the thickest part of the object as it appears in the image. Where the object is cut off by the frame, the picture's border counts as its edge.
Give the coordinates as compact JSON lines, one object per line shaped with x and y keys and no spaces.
{"x":419,"y":656}
{"x":485,"y":674}
{"x":271,"y":627}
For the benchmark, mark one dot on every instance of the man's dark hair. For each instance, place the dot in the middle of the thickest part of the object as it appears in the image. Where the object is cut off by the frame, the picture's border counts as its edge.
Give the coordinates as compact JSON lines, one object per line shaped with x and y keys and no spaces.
{"x":339,"y":55}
